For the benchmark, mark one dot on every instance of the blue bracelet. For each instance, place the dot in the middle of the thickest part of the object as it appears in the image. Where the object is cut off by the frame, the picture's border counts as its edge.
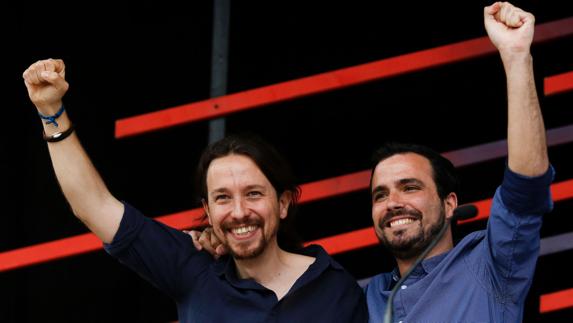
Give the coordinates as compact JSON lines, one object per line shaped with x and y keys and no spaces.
{"x":52,"y":119}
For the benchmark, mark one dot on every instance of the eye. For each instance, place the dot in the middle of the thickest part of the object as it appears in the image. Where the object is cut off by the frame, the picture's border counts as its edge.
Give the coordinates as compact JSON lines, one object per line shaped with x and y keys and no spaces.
{"x":378,"y":196}
{"x":221,"y":197}
{"x":254,"y":194}
{"x":410,"y":188}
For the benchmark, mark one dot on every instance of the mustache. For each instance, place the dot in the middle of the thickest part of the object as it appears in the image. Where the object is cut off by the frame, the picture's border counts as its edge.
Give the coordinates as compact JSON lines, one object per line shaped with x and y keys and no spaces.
{"x":417,"y":215}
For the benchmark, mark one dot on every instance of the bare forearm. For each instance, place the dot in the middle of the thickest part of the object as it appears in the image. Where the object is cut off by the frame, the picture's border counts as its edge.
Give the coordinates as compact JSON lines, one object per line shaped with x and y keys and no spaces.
{"x":82,"y":186}
{"x":526,"y":132}
{"x":511,"y":30}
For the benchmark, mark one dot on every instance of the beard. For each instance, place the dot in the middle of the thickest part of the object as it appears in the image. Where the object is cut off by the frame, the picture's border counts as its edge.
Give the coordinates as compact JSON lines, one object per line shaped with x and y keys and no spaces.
{"x":248,"y":249}
{"x":242,"y":251}
{"x":403,"y":247}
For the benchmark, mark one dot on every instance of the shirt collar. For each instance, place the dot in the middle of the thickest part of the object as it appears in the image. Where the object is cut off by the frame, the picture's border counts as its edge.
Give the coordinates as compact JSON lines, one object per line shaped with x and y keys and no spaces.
{"x":425,"y":267}
{"x":429,"y":264}
{"x":225,"y":267}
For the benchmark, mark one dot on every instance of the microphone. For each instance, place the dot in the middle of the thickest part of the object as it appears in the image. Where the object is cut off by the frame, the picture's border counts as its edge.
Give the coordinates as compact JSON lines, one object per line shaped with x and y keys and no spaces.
{"x":462,"y":212}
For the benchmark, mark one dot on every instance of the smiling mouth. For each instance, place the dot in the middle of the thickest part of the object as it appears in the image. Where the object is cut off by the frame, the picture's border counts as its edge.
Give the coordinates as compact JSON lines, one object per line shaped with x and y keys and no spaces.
{"x":243,"y":230}
{"x":399,"y":222}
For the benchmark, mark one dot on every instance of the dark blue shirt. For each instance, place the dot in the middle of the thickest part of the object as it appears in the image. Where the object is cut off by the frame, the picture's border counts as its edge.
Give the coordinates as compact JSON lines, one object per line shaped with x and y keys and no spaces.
{"x":210,"y":291}
{"x":485,"y":278}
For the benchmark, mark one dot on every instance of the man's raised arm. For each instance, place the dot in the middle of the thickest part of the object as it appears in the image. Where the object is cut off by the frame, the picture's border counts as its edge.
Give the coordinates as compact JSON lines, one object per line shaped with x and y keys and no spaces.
{"x":511,"y":31}
{"x":83,"y":187}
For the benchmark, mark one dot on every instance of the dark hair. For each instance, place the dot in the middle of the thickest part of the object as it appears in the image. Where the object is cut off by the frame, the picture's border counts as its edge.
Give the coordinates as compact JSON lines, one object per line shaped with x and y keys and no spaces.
{"x":444,"y":172}
{"x":271,"y":163}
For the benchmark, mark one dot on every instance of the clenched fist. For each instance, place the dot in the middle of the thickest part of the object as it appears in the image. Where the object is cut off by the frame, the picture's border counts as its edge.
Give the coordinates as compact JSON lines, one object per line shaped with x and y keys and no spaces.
{"x":509,"y":28}
{"x":46,"y":84}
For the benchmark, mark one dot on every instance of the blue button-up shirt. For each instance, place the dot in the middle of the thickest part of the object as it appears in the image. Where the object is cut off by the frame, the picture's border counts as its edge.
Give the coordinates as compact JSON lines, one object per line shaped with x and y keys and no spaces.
{"x":210,"y":291}
{"x":485,"y":277}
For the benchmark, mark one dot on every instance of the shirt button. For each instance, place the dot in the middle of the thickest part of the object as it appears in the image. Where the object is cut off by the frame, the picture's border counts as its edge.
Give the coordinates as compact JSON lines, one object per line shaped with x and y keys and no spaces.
{"x":400,"y":322}
{"x":404,"y":287}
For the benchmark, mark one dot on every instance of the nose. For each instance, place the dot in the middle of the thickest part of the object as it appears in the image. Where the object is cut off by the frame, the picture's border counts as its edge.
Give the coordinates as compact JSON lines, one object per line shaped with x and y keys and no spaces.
{"x":394,"y":201}
{"x":239,"y":210}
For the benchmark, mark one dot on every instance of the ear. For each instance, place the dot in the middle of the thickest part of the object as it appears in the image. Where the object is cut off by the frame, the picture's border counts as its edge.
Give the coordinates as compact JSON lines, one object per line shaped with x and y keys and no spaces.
{"x":450,"y":204}
{"x":284,"y":203}
{"x":206,"y":209}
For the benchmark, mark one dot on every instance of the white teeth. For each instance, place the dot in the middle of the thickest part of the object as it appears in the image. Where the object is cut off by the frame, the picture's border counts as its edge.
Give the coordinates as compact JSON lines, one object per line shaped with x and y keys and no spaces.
{"x":400,"y":222}
{"x":244,"y":230}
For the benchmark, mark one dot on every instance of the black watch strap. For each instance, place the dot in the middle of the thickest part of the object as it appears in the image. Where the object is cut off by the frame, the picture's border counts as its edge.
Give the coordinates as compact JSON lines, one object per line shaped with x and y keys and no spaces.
{"x":59,"y":136}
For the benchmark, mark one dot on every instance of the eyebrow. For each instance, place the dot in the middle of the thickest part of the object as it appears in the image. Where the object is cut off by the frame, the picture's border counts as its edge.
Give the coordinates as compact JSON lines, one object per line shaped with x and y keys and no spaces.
{"x":218,"y":190}
{"x":405,"y":181}
{"x":249,"y":187}
{"x":402,"y":182}
{"x":255,"y":186}
{"x":377,"y":189}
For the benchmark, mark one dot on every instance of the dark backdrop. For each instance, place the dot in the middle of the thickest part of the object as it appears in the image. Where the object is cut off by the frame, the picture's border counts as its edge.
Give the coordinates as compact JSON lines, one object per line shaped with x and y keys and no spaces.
{"x":124,"y":59}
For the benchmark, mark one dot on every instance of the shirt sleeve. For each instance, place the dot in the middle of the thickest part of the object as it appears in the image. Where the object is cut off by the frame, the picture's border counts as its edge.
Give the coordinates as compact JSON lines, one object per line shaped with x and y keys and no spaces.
{"x":156,"y":251}
{"x":512,"y":236}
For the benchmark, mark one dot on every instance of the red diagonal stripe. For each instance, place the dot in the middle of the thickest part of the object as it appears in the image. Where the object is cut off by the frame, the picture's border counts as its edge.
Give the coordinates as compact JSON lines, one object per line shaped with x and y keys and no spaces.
{"x":366,"y":237}
{"x":88,"y":242}
{"x":324,"y":82}
{"x":81,"y":244}
{"x":310,"y":192}
{"x":556,"y":301}
{"x":558,"y":83}
{"x":335,"y":186}
{"x":47,"y":251}
{"x":276,"y":93}
{"x":348,"y":241}
{"x":336,"y":244}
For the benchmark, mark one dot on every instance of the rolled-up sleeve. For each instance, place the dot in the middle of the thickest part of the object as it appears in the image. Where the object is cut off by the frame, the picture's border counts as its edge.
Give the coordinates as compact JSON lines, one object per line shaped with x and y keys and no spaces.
{"x":524,"y":194}
{"x":513,"y":234}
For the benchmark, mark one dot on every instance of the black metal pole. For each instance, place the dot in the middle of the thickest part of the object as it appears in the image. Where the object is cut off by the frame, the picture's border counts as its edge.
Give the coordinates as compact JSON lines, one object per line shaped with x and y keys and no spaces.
{"x":219,"y":61}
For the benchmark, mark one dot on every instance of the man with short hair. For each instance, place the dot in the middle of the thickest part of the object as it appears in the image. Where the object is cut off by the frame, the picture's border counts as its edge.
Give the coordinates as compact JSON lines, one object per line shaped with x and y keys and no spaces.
{"x":486,"y":276}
